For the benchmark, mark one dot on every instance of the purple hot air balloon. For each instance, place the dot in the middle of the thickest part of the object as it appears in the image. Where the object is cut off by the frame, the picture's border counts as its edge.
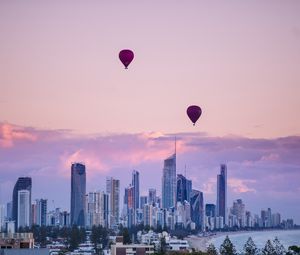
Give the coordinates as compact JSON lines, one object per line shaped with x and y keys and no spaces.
{"x":194,"y":113}
{"x":126,"y":56}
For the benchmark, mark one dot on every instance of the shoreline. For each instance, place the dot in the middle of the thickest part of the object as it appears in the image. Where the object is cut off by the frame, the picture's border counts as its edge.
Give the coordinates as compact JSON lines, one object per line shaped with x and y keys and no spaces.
{"x":200,"y":243}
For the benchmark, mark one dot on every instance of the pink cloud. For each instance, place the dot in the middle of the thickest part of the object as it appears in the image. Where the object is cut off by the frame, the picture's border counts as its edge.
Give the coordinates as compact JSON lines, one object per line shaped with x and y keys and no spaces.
{"x":89,"y":158}
{"x":11,"y":133}
{"x":209,"y":187}
{"x":241,"y":186}
{"x":270,"y":157}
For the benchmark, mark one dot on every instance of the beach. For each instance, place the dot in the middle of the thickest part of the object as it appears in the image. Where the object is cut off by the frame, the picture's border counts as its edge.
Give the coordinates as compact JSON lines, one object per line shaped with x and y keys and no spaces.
{"x":287,"y":237}
{"x":200,"y":243}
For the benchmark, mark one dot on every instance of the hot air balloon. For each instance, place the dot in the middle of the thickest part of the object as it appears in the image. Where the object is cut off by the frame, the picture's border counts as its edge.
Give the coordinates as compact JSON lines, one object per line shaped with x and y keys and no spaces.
{"x":194,"y":113}
{"x":126,"y":56}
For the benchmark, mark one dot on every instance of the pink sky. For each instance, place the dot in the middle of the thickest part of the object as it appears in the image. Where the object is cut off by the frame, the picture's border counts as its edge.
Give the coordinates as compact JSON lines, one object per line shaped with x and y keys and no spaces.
{"x":65,"y":96}
{"x":239,"y":60}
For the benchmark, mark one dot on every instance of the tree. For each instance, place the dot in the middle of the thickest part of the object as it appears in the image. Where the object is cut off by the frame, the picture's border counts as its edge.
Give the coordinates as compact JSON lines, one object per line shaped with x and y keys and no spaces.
{"x":278,"y":247}
{"x":163,"y":245}
{"x":158,"y":229}
{"x":43,"y":236}
{"x":227,"y":247}
{"x":294,"y":250}
{"x":74,"y":238}
{"x":99,"y":236}
{"x":95,"y":236}
{"x":250,"y":247}
{"x":126,"y":236}
{"x":211,"y":250}
{"x":268,"y":249}
{"x":82,"y":235}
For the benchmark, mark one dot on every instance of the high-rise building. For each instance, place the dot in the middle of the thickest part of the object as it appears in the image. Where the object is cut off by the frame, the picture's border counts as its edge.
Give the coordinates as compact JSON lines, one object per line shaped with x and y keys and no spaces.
{"x":136,"y":189}
{"x":129,"y":197}
{"x":143,"y":201}
{"x":210,"y":210}
{"x":222,"y":193}
{"x":148,"y":217}
{"x":238,"y":210}
{"x":249,"y":219}
{"x":33,"y":213}
{"x":264,"y":218}
{"x":189,"y":189}
{"x":197,"y":208}
{"x":24,"y":208}
{"x":41,"y":212}
{"x":269,"y":218}
{"x":23,"y":183}
{"x":97,"y":204}
{"x":2,"y":218}
{"x":158,"y":201}
{"x":183,"y":214}
{"x":129,"y":204}
{"x":78,"y":191}
{"x":210,"y":216}
{"x":184,"y":188}
{"x":113,"y":189}
{"x":64,"y":219}
{"x":9,"y":206}
{"x":276,"y":219}
{"x":169,"y":182}
{"x":152,"y":196}
{"x":54,"y":218}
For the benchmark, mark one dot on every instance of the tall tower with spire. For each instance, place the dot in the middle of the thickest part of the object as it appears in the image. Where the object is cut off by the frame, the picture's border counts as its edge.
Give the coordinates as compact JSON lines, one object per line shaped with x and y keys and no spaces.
{"x":169,"y":181}
{"x":222,"y":193}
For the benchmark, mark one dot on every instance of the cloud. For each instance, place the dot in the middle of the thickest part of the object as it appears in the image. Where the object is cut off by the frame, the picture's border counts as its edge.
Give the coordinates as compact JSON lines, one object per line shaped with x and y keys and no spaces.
{"x":241,"y":186}
{"x":89,"y":158}
{"x":209,"y":186}
{"x":9,"y":134}
{"x":273,"y":157}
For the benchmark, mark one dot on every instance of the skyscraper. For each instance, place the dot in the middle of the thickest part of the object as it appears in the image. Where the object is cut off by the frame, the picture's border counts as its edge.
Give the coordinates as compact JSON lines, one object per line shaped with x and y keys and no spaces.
{"x":129,"y":197}
{"x":169,"y":182}
{"x":97,"y":209}
{"x":136,"y":189}
{"x":197,"y":208}
{"x":184,"y":188}
{"x":23,"y":183}
{"x":148,"y":217}
{"x":189,"y":189}
{"x":269,"y":218}
{"x":264,"y":217}
{"x":222,"y":193}
{"x":238,"y":210}
{"x":2,"y":218}
{"x":41,"y":212}
{"x":143,"y":201}
{"x":152,"y":196}
{"x":113,"y":189}
{"x":210,"y":210}
{"x":24,"y":208}
{"x":9,"y":206}
{"x":78,"y":191}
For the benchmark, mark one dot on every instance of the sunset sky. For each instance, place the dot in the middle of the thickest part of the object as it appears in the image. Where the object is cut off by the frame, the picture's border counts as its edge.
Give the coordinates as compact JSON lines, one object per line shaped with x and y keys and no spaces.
{"x":65,"y":96}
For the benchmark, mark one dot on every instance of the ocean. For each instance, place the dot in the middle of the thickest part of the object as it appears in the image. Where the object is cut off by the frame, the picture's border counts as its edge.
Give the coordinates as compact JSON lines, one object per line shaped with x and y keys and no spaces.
{"x":286,"y":238}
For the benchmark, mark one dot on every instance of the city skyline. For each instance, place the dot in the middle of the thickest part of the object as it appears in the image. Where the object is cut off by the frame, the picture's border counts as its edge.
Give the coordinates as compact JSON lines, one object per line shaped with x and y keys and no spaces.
{"x":256,"y":156}
{"x":189,"y":213}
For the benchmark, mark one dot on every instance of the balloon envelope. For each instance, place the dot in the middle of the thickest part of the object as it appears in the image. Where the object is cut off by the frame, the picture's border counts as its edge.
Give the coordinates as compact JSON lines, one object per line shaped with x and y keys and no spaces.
{"x":126,"y":56}
{"x":194,"y":113}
